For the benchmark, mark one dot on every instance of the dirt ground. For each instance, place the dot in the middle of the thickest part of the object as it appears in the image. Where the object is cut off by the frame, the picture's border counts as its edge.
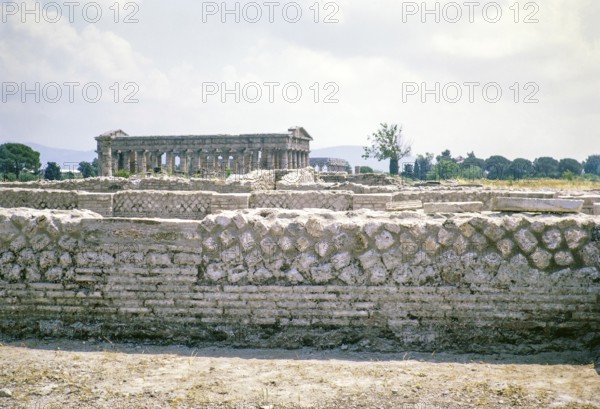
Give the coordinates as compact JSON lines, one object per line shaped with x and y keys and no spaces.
{"x":69,"y":374}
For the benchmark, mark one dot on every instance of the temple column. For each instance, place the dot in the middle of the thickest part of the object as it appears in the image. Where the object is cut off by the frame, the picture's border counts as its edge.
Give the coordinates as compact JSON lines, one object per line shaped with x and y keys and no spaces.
{"x":245,"y":161}
{"x":193,"y":161}
{"x":133,"y":162}
{"x":270,"y":159}
{"x":225,"y":163}
{"x":144,"y":161}
{"x":107,"y":163}
{"x":150,"y":161}
{"x":254,"y":161}
{"x":158,"y":158}
{"x":115,"y":162}
{"x":285,"y":163}
{"x":184,"y":163}
{"x":240,"y":163}
{"x":234,"y":165}
{"x":173,"y":164}
{"x":215,"y":161}
{"x":105,"y":159}
{"x":154,"y":160}
{"x":265,"y":159}
{"x":124,"y":161}
{"x":200,"y":164}
{"x":169,"y":155}
{"x":262,"y":159}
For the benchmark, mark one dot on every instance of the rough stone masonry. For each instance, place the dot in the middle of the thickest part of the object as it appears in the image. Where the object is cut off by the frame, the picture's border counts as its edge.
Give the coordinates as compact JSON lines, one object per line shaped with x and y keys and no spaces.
{"x":368,"y":280}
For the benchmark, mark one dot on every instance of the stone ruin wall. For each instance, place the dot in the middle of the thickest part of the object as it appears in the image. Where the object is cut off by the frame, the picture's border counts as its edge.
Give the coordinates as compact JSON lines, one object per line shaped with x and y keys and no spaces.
{"x":260,"y":180}
{"x":233,"y":269}
{"x":198,"y":204}
{"x":293,"y":278}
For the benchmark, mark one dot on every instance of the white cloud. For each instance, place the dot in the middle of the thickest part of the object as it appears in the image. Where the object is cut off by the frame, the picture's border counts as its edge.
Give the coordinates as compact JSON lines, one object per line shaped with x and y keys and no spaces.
{"x":369,"y":54}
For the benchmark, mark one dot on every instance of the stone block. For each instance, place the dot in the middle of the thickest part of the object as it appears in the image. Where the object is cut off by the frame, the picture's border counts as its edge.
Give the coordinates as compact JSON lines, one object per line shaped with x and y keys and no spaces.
{"x":376,"y":201}
{"x":532,"y":195}
{"x":101,"y":203}
{"x":597,"y":209}
{"x":510,"y":204}
{"x":453,"y":207}
{"x":404,"y":206}
{"x":588,"y":200}
{"x":231,"y":201}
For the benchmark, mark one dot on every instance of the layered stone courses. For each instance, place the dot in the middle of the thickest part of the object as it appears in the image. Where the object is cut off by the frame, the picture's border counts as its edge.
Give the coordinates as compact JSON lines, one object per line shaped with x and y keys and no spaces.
{"x":511,"y":204}
{"x":205,"y":155}
{"x":141,"y":201}
{"x":292,"y":278}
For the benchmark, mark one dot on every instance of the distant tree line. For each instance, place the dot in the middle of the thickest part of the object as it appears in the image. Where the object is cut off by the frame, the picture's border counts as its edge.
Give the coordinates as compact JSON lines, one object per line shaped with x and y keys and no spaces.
{"x":388,"y":142}
{"x":19,"y":162}
{"x":498,"y":167}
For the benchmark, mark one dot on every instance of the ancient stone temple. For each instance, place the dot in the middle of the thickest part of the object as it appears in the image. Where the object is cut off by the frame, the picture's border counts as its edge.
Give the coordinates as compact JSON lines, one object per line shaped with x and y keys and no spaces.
{"x":331,"y":164}
{"x":206,"y":154}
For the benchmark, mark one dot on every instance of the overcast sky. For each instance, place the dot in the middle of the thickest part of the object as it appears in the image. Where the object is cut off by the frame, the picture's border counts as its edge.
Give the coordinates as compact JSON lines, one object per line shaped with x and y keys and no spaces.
{"x":361,"y":63}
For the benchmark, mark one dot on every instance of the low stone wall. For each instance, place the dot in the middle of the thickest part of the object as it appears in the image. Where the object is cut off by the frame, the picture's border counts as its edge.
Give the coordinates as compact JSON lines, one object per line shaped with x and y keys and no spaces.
{"x":39,"y":199}
{"x":235,"y":184}
{"x":333,"y":200}
{"x":197,"y":204}
{"x":467,"y":195}
{"x":131,"y":203}
{"x":366,"y":179}
{"x":589,"y":201}
{"x":177,"y":205}
{"x":348,"y":186}
{"x":180,"y":205}
{"x":268,"y":278}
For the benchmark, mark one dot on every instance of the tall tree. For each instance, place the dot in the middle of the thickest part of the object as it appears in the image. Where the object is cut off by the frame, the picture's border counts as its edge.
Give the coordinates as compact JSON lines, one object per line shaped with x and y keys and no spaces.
{"x":521,"y":168}
{"x":592,"y":165}
{"x":388,"y":143}
{"x":496,"y":167}
{"x":570,"y":165}
{"x":423,"y":165}
{"x":87,"y":170}
{"x":546,"y":167}
{"x":16,"y":157}
{"x":472,"y":161}
{"x":446,"y":166}
{"x":52,"y":171}
{"x":96,"y":165}
{"x":472,"y":167}
{"x":446,"y":155}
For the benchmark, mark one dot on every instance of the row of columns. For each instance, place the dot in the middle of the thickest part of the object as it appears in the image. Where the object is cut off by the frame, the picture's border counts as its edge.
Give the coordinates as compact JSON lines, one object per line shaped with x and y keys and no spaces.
{"x":329,"y":167}
{"x":192,"y":162}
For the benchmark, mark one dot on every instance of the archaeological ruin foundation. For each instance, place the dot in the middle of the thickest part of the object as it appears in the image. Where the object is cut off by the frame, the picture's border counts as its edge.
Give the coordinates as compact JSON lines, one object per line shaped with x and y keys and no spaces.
{"x":293,"y":258}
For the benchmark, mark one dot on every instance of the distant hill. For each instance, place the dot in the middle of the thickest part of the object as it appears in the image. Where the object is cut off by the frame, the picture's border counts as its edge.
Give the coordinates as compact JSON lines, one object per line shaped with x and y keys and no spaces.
{"x":353,"y":154}
{"x":63,"y":157}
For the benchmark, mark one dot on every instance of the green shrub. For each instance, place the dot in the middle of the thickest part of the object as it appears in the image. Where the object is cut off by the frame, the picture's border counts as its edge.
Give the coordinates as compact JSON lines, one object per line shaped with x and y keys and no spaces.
{"x":568,"y":175}
{"x":27,"y":177}
{"x":9,"y":177}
